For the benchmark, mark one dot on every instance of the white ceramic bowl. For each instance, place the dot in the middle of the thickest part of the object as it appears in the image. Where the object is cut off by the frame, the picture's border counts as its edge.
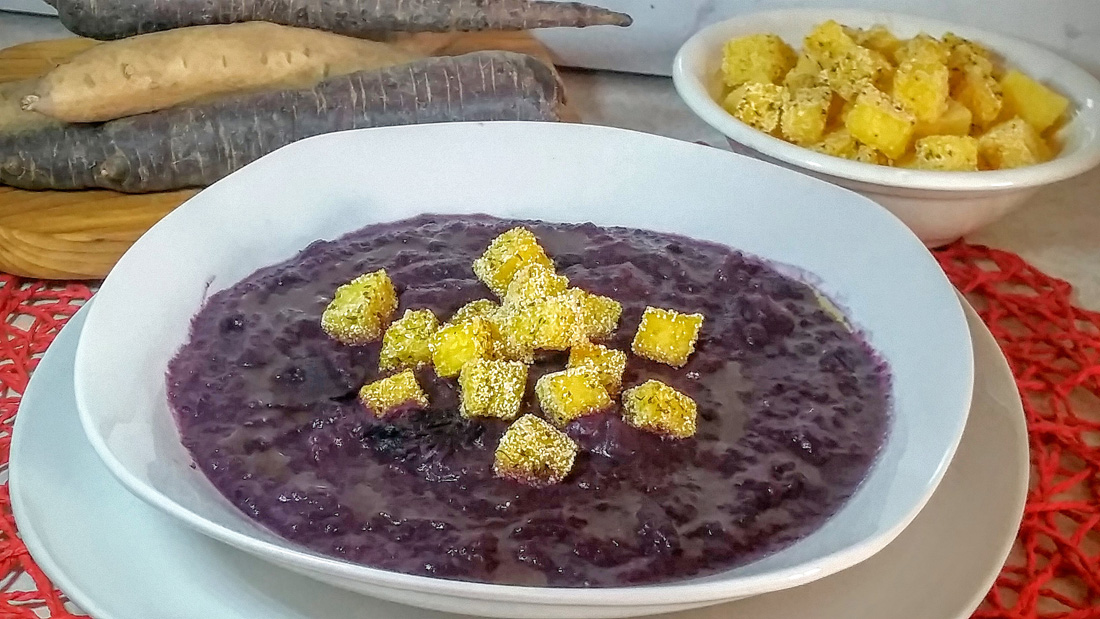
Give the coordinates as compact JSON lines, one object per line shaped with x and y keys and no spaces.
{"x":326,"y":186}
{"x":939,"y":206}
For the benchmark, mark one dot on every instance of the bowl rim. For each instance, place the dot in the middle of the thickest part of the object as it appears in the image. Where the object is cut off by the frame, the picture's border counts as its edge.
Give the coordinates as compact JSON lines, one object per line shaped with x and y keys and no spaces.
{"x":690,"y":591}
{"x":1084,"y":92}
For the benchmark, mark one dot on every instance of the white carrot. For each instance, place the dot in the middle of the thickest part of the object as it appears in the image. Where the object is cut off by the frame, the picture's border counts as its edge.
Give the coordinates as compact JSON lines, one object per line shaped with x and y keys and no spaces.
{"x":155,"y":71}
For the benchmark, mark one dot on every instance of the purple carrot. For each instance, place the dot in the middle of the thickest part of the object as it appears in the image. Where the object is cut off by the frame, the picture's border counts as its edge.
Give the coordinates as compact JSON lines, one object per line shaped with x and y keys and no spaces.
{"x":116,"y":19}
{"x":196,"y":145}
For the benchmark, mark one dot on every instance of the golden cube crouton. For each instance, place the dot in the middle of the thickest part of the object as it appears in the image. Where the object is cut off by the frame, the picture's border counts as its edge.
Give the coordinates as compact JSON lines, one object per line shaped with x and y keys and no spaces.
{"x":879,"y":122}
{"x":405,"y":344}
{"x":1012,"y":144}
{"x":361,"y":309}
{"x":947,"y":152}
{"x":805,"y":114}
{"x":838,"y":143}
{"x":922,"y":48}
{"x":506,"y":255}
{"x":848,"y":67}
{"x":600,"y":314}
{"x":761,"y":58}
{"x":757,"y":105}
{"x":877,"y":38}
{"x":655,"y":407}
{"x":667,"y":336}
{"x":1040,"y":106}
{"x":805,"y":74}
{"x":479,"y":308}
{"x":827,"y":41}
{"x":535,"y":453}
{"x":607,"y":363}
{"x":515,"y":334}
{"x":486,"y":310}
{"x":923,"y":88}
{"x":866,"y":154}
{"x":492,"y":388}
{"x":955,"y":120}
{"x":967,"y":48}
{"x":560,"y":323}
{"x":964,"y":55}
{"x":571,"y":393}
{"x":555,"y":323}
{"x":981,"y":94}
{"x":534,"y":282}
{"x":393,"y":394}
{"x":454,"y":344}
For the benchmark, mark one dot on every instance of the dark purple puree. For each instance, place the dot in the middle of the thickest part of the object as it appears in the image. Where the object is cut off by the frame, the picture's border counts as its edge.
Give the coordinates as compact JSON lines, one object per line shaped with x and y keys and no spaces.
{"x":792,"y":411}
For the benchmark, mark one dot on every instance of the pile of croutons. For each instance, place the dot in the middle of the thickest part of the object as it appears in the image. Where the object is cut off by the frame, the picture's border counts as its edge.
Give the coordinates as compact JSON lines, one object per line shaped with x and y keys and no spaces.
{"x":488,"y":345}
{"x":926,"y":103}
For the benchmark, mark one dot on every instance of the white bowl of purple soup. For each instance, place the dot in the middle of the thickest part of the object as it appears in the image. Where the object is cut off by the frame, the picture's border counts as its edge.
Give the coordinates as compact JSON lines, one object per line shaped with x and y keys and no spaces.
{"x":207,"y":386}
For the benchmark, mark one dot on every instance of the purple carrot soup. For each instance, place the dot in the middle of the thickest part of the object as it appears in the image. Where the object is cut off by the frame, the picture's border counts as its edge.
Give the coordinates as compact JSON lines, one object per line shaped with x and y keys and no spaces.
{"x":792,"y":409}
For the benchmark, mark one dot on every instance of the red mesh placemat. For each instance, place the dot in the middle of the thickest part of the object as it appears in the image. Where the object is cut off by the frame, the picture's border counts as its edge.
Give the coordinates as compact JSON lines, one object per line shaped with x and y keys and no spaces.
{"x":31,"y":314}
{"x":1052,"y":346}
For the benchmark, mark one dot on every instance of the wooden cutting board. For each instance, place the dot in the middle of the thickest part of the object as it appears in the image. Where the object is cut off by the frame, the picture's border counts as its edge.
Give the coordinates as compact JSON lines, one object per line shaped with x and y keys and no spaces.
{"x":81,"y":234}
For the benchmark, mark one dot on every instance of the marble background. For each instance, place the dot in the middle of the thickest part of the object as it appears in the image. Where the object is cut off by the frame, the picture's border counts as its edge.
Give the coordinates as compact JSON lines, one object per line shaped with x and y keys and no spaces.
{"x":1070,"y":27}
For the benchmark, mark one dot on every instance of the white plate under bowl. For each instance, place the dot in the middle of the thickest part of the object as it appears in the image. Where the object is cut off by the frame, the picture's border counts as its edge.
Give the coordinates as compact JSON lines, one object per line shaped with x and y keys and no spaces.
{"x":118,"y":558}
{"x":323,"y":187}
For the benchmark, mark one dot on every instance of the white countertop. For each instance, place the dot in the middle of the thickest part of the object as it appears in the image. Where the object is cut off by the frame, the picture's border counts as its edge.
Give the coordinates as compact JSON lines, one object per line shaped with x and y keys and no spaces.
{"x":1058,"y":231}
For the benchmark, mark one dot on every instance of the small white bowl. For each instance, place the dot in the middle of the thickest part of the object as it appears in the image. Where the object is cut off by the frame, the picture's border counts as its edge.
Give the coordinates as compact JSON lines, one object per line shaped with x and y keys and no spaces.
{"x":324,"y":187}
{"x":939,"y":206}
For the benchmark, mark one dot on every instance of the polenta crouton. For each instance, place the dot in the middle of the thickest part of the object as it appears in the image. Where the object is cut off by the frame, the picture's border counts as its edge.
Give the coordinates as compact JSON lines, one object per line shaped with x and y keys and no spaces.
{"x":805,"y":114}
{"x":455,"y":344}
{"x":393,"y":394}
{"x":923,"y":88}
{"x":667,"y":336}
{"x":805,"y":74}
{"x":492,"y":388}
{"x":571,"y":393}
{"x":600,"y":315}
{"x":955,"y":120}
{"x":506,"y":255}
{"x":1040,"y":106}
{"x":849,"y":68}
{"x":405,"y":344}
{"x":361,"y":309}
{"x":534,"y":282}
{"x":479,"y":308}
{"x":875,"y":120}
{"x":757,"y":105}
{"x":555,"y":323}
{"x":760,"y":58}
{"x":607,"y":363}
{"x":655,"y":407}
{"x":947,"y":152}
{"x":981,"y":94}
{"x":535,"y":453}
{"x":1012,"y":144}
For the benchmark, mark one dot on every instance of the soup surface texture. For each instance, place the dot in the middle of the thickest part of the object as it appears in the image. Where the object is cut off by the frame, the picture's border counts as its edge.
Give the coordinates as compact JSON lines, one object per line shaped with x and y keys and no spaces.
{"x":792,"y":410}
